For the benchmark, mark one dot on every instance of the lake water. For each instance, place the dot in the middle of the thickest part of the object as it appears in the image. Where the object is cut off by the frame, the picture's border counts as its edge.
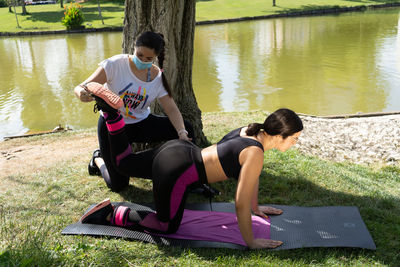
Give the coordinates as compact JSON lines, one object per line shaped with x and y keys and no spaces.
{"x":321,"y":65}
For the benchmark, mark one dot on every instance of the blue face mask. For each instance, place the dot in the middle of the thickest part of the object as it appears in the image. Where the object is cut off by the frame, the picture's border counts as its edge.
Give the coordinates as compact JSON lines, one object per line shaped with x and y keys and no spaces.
{"x":140,"y":64}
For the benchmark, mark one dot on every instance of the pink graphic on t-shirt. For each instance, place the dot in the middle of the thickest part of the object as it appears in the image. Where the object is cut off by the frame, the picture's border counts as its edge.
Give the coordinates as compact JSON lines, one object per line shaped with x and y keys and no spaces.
{"x":132,"y":100}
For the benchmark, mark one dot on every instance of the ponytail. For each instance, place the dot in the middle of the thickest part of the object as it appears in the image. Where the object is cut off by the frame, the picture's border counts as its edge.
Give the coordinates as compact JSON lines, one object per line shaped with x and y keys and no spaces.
{"x":284,"y":122}
{"x":253,"y":129}
{"x":160,"y":59}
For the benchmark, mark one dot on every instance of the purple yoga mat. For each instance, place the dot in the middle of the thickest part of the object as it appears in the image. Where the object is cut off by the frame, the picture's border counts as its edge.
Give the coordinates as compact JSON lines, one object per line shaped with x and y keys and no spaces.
{"x":217,"y":226}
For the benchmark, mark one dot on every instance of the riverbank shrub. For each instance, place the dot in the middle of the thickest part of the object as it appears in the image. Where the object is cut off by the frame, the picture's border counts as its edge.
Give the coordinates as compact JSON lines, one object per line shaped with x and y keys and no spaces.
{"x":73,"y":16}
{"x":3,"y":3}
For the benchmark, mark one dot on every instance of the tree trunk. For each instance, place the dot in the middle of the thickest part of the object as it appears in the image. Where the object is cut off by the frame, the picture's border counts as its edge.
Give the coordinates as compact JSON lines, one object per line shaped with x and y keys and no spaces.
{"x":15,"y":11}
{"x":99,"y":8}
{"x":273,"y":3}
{"x":62,"y":3}
{"x":24,"y":12}
{"x":175,"y":19}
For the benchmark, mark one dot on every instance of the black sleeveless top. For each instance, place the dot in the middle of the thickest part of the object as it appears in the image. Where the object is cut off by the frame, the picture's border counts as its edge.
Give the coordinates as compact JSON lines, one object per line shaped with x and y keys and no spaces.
{"x":229,"y":148}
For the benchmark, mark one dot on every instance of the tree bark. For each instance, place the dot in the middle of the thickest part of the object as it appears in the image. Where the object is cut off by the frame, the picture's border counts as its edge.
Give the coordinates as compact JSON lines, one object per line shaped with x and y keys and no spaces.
{"x":24,"y":12}
{"x":15,"y":11}
{"x":62,"y":3}
{"x":99,"y":9}
{"x":175,"y":19}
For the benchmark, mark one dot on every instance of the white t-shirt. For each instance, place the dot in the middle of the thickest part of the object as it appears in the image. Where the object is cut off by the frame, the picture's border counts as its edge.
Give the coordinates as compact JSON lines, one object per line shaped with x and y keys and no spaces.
{"x":136,"y":94}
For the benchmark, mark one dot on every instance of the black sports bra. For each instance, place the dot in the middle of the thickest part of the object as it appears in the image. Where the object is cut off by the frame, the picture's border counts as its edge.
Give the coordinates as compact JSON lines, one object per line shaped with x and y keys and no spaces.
{"x":229,"y":148}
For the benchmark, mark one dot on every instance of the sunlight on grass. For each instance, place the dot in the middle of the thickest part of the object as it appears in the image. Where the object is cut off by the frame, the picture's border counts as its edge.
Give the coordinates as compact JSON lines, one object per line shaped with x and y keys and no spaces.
{"x":35,"y":209}
{"x":48,"y":17}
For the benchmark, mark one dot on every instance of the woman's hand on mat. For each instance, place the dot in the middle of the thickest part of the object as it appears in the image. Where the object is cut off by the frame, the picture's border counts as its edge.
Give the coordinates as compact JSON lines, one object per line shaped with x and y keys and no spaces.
{"x":263,"y":210}
{"x":265,"y":243}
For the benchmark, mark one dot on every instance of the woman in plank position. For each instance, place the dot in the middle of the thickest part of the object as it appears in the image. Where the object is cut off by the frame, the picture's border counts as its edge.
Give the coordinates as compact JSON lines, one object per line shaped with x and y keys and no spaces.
{"x":179,"y":165}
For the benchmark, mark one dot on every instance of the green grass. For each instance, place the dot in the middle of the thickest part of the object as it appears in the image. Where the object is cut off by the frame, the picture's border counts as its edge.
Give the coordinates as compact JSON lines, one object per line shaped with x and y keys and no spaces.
{"x":35,"y":208}
{"x":225,"y":9}
{"x":48,"y":17}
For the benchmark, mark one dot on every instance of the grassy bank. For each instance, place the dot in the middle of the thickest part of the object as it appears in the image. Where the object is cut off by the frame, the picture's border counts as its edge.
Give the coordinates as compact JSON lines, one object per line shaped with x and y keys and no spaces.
{"x":48,"y":17}
{"x":36,"y":206}
{"x":226,"y":9}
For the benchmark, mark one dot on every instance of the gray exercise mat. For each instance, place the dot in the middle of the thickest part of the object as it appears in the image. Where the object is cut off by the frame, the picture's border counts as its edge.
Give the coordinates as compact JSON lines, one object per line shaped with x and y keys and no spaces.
{"x":297,"y":227}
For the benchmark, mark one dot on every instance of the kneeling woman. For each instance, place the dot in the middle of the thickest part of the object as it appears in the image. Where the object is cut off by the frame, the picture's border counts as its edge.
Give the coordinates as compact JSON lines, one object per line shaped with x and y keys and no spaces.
{"x":178,"y":166}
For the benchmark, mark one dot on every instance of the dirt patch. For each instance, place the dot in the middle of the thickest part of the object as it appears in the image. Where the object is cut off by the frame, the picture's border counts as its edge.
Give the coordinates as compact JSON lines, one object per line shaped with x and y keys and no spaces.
{"x":29,"y":155}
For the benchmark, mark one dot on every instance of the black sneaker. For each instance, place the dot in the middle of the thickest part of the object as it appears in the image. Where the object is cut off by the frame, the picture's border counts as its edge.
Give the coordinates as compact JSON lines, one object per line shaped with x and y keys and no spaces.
{"x":98,"y":214}
{"x":103,"y":106}
{"x":92,"y":167}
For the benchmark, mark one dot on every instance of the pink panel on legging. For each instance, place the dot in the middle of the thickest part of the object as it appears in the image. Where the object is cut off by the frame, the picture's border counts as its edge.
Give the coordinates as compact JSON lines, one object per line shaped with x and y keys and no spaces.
{"x":188,"y":177}
{"x":124,"y":154}
{"x":151,"y":221}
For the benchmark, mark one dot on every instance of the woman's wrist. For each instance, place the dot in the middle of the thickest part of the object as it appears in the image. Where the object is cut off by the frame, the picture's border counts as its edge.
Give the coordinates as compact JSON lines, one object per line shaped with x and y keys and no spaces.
{"x":81,"y":91}
{"x":83,"y":85}
{"x":182,"y":131}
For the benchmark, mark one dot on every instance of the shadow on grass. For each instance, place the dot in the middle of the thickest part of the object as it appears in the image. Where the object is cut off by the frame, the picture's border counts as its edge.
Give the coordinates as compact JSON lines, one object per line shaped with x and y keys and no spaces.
{"x":90,"y":14}
{"x":381,"y":214}
{"x":311,"y":8}
{"x":361,"y":1}
{"x":133,"y":193}
{"x":281,"y":182}
{"x":110,"y":9}
{"x":379,"y":1}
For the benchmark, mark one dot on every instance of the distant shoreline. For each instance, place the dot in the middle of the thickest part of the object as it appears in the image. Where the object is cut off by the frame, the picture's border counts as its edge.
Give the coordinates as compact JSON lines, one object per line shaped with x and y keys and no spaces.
{"x":313,"y":12}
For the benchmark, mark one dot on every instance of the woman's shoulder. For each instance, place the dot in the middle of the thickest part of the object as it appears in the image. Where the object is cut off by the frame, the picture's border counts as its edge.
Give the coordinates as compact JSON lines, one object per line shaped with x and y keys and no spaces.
{"x":232,"y":134}
{"x":155,"y":72}
{"x":118,"y":58}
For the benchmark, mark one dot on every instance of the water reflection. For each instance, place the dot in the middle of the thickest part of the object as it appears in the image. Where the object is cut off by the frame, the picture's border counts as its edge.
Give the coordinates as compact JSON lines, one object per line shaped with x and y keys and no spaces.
{"x":36,"y":84}
{"x":318,"y":65}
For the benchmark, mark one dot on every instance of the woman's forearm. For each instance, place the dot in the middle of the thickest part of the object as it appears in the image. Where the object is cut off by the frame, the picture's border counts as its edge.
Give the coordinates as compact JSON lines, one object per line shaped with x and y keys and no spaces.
{"x":245,"y":226}
{"x":98,"y":76}
{"x":175,"y":116}
{"x":176,"y":119}
{"x":254,"y":200}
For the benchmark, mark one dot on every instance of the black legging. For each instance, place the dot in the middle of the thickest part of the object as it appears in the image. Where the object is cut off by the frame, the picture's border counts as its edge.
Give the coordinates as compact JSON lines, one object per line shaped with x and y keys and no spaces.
{"x":176,"y":167}
{"x":152,"y":129}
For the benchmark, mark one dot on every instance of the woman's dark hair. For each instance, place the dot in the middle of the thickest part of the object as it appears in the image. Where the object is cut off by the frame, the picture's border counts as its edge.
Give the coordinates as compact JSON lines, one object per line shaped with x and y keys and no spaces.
{"x":283,"y":122}
{"x":155,"y":41}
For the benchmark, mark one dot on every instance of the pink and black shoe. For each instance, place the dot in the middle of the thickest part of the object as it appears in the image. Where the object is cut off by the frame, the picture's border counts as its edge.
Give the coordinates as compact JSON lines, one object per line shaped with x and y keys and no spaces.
{"x":106,"y":100}
{"x":121,"y":217}
{"x":99,"y":213}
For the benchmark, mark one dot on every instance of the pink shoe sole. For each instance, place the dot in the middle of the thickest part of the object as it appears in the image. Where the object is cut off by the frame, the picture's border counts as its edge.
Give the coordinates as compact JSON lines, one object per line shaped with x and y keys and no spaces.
{"x":99,"y":90}
{"x":99,"y":206}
